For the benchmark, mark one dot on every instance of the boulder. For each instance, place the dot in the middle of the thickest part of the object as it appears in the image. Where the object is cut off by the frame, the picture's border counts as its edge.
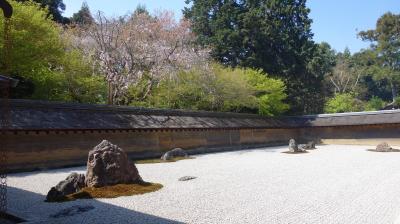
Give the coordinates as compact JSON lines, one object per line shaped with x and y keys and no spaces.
{"x":72,"y":184}
{"x":178,"y":152}
{"x":109,"y":165}
{"x":293,"y":146}
{"x":383,"y":147}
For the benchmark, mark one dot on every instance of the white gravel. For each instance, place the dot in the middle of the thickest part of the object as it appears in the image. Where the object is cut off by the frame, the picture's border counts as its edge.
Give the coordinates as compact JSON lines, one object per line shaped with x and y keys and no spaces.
{"x":333,"y":184}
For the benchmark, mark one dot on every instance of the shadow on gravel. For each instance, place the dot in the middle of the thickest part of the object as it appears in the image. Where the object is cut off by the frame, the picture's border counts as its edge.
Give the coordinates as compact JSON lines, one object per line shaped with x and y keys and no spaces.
{"x":78,"y":169}
{"x":80,"y":211}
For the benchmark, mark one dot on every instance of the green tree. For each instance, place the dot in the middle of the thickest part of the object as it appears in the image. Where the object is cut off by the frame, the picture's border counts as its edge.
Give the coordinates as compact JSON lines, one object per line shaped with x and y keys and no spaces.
{"x":312,"y":92}
{"x":55,"y":9}
{"x":272,"y":35}
{"x":344,"y":102}
{"x":83,"y":16}
{"x":270,"y":93}
{"x":141,"y":9}
{"x":49,"y":67}
{"x":36,"y":43}
{"x":385,"y":40}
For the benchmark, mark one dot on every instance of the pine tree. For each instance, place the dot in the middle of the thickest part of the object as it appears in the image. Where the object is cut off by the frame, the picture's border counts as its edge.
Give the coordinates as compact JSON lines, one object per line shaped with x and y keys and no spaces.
{"x":83,"y":16}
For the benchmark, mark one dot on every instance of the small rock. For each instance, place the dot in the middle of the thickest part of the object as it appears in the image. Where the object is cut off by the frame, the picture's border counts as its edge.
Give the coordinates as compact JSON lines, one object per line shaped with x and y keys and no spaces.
{"x":311,"y":145}
{"x":178,"y":152}
{"x":186,"y":178}
{"x":383,"y":147}
{"x":74,"y":210}
{"x":109,"y":165}
{"x":308,"y":146}
{"x":72,"y":184}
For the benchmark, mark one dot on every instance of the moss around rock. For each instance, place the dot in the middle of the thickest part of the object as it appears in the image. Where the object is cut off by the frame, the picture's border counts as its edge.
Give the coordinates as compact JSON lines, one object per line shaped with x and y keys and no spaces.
{"x":113,"y":191}
{"x":175,"y":159}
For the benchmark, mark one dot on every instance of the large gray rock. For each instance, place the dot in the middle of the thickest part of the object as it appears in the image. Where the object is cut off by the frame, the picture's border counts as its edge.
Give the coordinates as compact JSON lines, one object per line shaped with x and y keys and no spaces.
{"x":109,"y":165}
{"x":178,"y":152}
{"x":383,"y":147}
{"x":293,"y":147}
{"x":72,"y":184}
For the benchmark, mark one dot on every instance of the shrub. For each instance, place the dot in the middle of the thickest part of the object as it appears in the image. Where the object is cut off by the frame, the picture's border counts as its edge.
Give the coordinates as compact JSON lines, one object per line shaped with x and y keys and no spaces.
{"x":344,"y":102}
{"x":375,"y":103}
{"x":221,"y":89}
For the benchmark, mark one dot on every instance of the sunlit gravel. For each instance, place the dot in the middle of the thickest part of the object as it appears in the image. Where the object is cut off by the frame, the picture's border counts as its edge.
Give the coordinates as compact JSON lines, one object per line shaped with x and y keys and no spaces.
{"x":333,"y":184}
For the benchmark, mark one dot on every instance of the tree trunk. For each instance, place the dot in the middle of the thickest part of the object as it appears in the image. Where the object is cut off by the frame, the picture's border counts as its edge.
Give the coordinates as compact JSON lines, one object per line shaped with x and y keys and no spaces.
{"x":110,"y":97}
{"x":394,"y":91}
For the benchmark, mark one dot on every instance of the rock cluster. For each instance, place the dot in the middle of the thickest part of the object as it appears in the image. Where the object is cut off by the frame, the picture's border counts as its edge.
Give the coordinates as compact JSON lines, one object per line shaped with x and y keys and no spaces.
{"x":383,"y":147}
{"x":293,"y":147}
{"x":72,"y":184}
{"x":308,"y":146}
{"x":177,"y":152}
{"x":107,"y":165}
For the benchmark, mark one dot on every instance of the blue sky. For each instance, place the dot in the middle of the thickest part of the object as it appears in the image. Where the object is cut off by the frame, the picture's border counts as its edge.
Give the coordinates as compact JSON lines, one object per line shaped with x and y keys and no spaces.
{"x":334,"y":21}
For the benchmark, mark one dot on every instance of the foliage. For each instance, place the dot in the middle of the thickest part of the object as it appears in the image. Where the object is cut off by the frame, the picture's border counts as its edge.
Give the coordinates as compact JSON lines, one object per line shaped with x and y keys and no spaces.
{"x":344,"y":102}
{"x":272,"y":35}
{"x":81,"y":84}
{"x":129,"y":49}
{"x":386,"y":48}
{"x":35,"y":41}
{"x":222,"y":89}
{"x":344,"y":77}
{"x":269,"y":92}
{"x":249,"y":33}
{"x":55,"y":9}
{"x":374,"y":104}
{"x":155,"y":61}
{"x":312,"y":94}
{"x":83,"y":17}
{"x":36,"y":48}
{"x":49,"y":67}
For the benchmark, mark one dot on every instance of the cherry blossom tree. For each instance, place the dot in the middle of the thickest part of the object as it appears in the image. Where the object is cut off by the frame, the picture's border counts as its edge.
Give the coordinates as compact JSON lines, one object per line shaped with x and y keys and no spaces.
{"x":129,"y":49}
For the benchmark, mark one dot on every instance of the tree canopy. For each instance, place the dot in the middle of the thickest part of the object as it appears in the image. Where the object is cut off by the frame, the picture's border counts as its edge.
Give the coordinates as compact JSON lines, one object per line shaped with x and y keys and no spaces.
{"x":255,"y":56}
{"x":48,"y":66}
{"x":83,"y":16}
{"x":55,"y":9}
{"x":385,"y":40}
{"x":272,"y":35}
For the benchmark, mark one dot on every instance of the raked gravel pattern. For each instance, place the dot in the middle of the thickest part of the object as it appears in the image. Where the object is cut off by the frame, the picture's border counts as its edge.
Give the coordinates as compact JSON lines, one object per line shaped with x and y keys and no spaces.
{"x":332,"y":184}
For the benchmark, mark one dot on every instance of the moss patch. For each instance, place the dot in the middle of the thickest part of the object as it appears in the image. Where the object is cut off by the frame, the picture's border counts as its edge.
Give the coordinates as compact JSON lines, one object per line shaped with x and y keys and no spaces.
{"x":175,"y":159}
{"x":392,"y":150}
{"x":289,"y":152}
{"x":113,"y":191}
